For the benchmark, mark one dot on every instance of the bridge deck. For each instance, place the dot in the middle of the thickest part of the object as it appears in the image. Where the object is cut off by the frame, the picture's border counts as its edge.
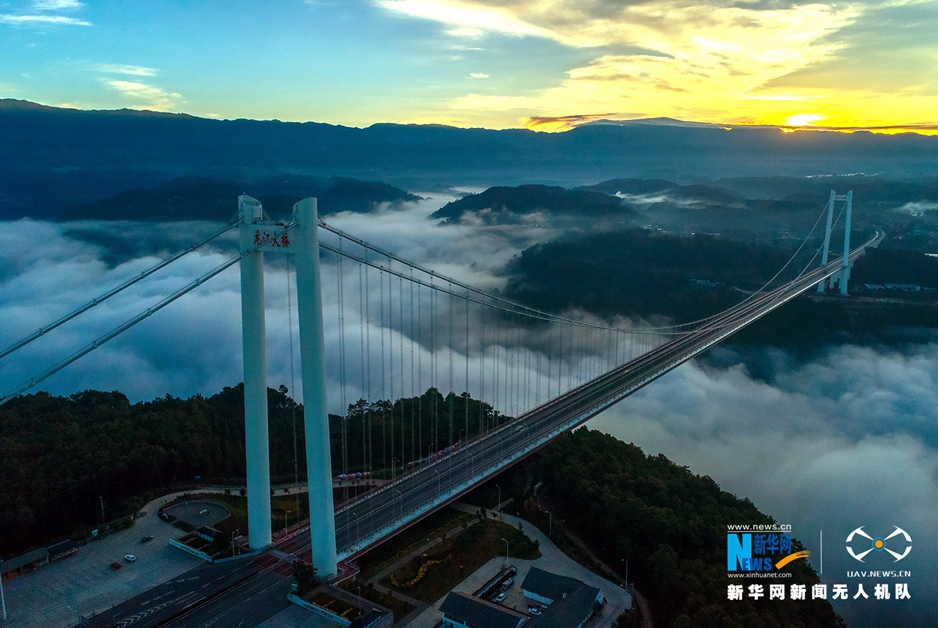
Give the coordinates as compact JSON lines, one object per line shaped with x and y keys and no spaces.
{"x":379,"y":514}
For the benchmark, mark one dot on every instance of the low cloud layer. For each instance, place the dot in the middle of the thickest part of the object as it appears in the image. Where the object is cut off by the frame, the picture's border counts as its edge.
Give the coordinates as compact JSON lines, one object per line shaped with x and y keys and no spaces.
{"x":847,"y":440}
{"x":194,"y":345}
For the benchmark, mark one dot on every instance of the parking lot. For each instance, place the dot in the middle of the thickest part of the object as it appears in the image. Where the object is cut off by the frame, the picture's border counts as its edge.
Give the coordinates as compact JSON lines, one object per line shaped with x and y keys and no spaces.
{"x":54,"y":595}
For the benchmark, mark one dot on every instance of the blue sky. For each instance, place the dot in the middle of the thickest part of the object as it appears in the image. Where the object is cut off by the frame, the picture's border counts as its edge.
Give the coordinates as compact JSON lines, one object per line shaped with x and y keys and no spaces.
{"x":481,"y":62}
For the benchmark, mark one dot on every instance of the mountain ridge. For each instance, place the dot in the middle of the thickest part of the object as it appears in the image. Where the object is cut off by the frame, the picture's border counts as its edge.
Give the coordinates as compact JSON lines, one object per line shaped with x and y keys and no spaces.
{"x":38,"y":136}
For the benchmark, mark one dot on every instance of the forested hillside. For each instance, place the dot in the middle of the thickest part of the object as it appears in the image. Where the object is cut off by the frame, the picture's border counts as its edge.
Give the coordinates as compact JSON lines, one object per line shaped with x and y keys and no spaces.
{"x":642,"y":272}
{"x":58,"y":455}
{"x":670,"y":525}
{"x":645,"y":273}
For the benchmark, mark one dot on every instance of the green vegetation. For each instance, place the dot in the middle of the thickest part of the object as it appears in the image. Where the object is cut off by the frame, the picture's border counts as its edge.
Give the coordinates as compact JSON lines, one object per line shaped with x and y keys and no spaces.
{"x":305,"y":575}
{"x":435,"y":526}
{"x":667,"y":522}
{"x":641,"y":272}
{"x":430,"y":576}
{"x":59,"y":454}
{"x":369,"y":592}
{"x":404,"y":430}
{"x":644,"y":273}
{"x":334,"y":605}
{"x":881,"y":266}
{"x":220,"y":548}
{"x":505,"y":205}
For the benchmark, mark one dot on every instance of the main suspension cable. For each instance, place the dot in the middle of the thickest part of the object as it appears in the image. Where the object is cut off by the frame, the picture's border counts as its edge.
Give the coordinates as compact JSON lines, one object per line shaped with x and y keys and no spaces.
{"x":131,"y":322}
{"x":98,"y":300}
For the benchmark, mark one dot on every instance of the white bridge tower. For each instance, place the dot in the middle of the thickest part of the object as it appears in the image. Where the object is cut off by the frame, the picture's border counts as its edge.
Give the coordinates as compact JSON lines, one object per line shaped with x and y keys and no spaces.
{"x":844,"y":275}
{"x":259,"y":234}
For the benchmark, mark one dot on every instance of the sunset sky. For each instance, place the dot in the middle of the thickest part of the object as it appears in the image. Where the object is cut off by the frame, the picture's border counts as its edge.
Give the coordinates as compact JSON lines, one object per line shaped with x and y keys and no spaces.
{"x":544,"y":64}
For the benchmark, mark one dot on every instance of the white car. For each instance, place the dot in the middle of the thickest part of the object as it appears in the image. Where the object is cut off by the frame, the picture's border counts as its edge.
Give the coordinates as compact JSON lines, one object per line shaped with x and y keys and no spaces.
{"x":534,"y":610}
{"x":499,"y":597}
{"x":130,"y":558}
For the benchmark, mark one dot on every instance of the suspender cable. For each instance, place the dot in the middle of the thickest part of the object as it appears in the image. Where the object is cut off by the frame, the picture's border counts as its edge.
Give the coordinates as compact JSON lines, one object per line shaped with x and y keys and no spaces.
{"x":384,"y":417}
{"x":361,"y":335}
{"x":296,"y":459}
{"x":495,"y":380}
{"x":513,"y":367}
{"x":419,"y":374}
{"x":449,"y":396}
{"x":400,"y":324}
{"x":343,"y":394}
{"x":482,"y":429}
{"x":391,"y":364}
{"x":370,"y":405}
{"x":434,"y":380}
{"x":414,"y":398}
{"x":467,"y":368}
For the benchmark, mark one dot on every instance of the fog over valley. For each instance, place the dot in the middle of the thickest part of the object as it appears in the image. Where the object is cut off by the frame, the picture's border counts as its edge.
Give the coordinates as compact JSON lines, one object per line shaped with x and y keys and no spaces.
{"x":842,"y":436}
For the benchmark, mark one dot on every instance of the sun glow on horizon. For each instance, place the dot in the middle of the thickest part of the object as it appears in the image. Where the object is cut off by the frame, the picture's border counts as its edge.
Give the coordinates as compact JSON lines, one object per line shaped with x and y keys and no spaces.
{"x":804,"y":119}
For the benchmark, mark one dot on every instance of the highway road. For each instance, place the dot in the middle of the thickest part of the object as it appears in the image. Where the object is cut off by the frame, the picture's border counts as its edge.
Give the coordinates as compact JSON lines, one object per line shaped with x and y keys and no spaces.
{"x":254,"y":601}
{"x":173,"y":597}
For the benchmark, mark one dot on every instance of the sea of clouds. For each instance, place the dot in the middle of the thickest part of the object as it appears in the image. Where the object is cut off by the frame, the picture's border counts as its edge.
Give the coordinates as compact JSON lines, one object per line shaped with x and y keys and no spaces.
{"x":847,"y":439}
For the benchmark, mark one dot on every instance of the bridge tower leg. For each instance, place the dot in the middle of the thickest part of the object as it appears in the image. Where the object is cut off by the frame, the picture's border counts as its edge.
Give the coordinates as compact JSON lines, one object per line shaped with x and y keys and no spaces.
{"x":253,"y":331}
{"x":313,"y":359}
{"x":827,"y":239}
{"x":845,"y":269}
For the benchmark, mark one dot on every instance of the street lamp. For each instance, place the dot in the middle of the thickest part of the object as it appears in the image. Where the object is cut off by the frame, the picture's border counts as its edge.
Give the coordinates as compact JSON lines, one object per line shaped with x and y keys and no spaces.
{"x":402,"y":501}
{"x":626,"y":561}
{"x":506,"y":551}
{"x":550,"y":523}
{"x":358,"y":534}
{"x":439,"y":483}
{"x":498,"y":506}
{"x":3,"y":600}
{"x":285,"y":513}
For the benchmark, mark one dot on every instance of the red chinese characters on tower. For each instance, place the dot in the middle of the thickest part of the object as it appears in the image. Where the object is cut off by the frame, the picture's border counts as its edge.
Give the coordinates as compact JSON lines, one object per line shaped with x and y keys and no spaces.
{"x":279,"y":240}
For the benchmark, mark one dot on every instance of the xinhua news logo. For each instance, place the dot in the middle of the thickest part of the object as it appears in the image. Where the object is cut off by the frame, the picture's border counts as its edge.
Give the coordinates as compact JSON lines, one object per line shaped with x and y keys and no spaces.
{"x":760,"y":550}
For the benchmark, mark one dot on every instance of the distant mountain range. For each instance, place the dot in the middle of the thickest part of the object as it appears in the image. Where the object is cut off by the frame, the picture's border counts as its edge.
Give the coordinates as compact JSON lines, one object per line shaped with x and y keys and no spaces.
{"x":747,"y":208}
{"x":505,"y":205}
{"x":48,"y":138}
{"x":57,"y":163}
{"x":206,"y":198}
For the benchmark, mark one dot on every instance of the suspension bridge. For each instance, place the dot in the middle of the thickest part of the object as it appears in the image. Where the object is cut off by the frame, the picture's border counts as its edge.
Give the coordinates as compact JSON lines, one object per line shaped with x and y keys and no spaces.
{"x":401,"y":331}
